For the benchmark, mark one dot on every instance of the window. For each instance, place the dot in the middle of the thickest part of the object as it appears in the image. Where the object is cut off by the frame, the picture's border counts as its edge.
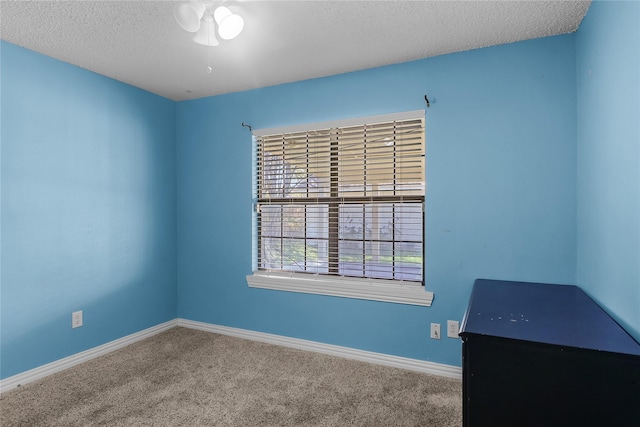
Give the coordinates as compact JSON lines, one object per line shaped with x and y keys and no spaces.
{"x":339,"y":209}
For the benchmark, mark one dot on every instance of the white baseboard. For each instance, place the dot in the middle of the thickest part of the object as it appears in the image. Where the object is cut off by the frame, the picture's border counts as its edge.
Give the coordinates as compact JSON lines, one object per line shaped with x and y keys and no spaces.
{"x":333,"y":350}
{"x":42,"y":371}
{"x":365,"y":356}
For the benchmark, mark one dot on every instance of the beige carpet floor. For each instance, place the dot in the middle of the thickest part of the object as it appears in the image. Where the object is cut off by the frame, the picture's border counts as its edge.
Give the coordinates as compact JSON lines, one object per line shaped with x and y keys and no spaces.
{"x":185,"y":377}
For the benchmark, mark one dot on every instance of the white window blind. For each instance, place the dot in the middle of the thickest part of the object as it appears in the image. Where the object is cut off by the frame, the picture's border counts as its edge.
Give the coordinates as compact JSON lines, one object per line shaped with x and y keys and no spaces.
{"x":343,"y":201}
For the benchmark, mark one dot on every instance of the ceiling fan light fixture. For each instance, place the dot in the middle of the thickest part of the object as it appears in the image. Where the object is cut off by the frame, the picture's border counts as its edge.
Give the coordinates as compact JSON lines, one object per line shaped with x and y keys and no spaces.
{"x":220,"y":13}
{"x":229,"y":23}
{"x":206,"y":35}
{"x":188,"y":15}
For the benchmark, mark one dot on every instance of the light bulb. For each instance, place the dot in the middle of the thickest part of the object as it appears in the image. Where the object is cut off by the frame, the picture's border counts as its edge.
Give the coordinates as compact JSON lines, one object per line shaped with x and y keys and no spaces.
{"x":220,"y":13}
{"x":230,"y":27}
{"x":229,"y":24}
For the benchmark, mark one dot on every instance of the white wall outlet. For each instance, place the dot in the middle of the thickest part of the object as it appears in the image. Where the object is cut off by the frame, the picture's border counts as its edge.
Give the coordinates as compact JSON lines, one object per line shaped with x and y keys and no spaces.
{"x":453,"y":328}
{"x":435,"y":331}
{"x":76,"y":319}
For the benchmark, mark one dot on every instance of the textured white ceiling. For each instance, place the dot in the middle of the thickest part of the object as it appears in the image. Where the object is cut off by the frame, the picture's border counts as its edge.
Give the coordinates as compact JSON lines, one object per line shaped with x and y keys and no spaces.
{"x":140,"y":43}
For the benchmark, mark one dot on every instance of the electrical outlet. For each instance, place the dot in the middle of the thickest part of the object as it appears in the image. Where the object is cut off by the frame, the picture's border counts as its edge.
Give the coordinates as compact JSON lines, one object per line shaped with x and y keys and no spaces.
{"x":435,"y":331}
{"x":76,"y":319}
{"x":453,"y":328}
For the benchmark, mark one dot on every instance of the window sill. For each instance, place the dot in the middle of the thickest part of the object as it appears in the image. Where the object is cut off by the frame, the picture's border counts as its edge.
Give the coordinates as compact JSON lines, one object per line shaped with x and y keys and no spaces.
{"x":371,"y":289}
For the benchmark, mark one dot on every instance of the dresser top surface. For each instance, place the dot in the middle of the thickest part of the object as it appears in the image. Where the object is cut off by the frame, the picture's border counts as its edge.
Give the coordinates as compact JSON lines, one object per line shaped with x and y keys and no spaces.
{"x":544,"y":313}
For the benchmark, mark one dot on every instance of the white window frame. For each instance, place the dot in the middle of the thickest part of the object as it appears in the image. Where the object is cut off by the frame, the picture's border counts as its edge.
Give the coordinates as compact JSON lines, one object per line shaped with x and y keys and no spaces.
{"x":395,"y":291}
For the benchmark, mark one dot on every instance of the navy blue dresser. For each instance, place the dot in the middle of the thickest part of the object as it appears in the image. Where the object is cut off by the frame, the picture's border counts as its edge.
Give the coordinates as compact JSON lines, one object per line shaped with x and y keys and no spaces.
{"x":545,"y":355}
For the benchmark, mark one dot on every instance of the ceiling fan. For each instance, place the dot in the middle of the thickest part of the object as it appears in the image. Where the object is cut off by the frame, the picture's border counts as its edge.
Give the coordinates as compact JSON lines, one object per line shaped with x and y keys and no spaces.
{"x":208,"y":21}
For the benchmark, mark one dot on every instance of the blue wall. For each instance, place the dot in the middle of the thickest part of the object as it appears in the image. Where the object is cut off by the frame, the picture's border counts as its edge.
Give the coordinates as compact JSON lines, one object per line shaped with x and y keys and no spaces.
{"x":608,"y":79}
{"x":533,"y":173}
{"x":501,"y":201}
{"x":88,"y":209}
